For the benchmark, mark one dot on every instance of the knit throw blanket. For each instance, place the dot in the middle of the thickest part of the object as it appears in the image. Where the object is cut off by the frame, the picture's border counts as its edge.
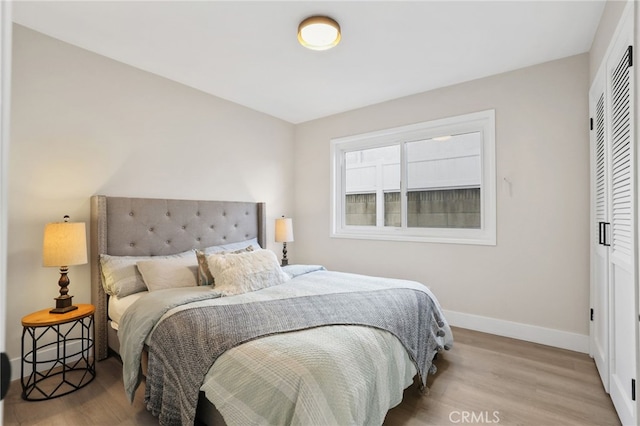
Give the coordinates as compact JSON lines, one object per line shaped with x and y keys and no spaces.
{"x":185,"y":345}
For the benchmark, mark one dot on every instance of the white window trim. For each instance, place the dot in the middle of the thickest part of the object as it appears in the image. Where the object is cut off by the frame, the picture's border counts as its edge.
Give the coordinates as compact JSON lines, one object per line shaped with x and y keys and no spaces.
{"x":483,"y":121}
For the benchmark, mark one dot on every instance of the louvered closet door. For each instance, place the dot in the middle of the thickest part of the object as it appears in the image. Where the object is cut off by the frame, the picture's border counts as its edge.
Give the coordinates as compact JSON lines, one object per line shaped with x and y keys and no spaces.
{"x":599,"y":244}
{"x":622,"y":269}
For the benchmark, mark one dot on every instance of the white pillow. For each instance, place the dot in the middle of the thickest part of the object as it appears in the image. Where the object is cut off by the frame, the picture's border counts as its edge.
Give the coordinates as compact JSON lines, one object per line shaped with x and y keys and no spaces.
{"x":237,"y":273}
{"x":120,"y":276}
{"x":169,"y":273}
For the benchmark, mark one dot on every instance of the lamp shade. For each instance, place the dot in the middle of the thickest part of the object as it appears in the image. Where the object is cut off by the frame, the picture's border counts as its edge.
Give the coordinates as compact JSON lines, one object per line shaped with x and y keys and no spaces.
{"x":65,"y":243}
{"x":284,"y":230}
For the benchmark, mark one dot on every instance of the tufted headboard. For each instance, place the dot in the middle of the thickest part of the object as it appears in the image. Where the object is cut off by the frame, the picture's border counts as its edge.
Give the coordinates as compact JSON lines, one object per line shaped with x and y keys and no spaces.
{"x":149,"y":227}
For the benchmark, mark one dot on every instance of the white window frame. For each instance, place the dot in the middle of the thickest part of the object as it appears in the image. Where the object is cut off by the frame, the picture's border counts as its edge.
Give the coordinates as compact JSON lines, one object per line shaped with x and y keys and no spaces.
{"x":483,"y":122}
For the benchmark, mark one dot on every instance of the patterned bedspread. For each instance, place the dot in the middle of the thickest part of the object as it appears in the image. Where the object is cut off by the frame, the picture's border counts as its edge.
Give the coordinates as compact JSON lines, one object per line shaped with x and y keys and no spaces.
{"x":334,"y":375}
{"x":326,"y":375}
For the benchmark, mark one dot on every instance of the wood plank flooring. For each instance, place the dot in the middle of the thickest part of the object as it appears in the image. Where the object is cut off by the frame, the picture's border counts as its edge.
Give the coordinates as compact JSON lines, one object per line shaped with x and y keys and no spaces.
{"x":484,"y":379}
{"x":492,"y":379}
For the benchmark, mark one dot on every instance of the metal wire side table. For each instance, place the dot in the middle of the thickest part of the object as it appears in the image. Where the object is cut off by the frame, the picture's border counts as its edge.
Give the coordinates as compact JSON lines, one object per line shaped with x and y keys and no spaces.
{"x":57,"y":352}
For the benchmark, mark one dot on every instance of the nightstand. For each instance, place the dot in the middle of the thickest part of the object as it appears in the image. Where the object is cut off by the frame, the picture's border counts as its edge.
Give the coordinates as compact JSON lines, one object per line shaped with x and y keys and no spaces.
{"x":57,"y":352}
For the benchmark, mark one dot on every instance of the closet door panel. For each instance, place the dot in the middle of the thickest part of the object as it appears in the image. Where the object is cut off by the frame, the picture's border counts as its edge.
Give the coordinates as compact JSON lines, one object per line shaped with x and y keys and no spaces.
{"x":599,"y":245}
{"x":622,"y":274}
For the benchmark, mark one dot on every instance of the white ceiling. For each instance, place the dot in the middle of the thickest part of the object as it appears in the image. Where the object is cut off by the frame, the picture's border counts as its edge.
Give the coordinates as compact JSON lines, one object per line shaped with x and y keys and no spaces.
{"x":247,"y":52}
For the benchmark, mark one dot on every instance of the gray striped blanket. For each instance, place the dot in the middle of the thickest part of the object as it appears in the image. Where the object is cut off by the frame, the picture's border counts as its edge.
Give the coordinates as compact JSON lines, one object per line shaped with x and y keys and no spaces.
{"x":185,"y":345}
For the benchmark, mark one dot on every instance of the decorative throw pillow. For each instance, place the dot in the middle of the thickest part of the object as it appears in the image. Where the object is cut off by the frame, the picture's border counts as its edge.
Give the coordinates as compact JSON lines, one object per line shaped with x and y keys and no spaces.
{"x":120,"y":276}
{"x":204,"y":274}
{"x":237,"y":273}
{"x":168,"y":273}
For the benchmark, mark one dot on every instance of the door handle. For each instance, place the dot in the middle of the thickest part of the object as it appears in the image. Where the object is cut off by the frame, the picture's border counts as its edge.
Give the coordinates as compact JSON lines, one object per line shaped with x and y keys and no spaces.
{"x":602,"y":233}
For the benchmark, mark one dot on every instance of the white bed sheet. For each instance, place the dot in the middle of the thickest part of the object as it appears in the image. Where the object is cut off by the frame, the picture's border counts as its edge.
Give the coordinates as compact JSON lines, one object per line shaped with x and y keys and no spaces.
{"x":117,"y":306}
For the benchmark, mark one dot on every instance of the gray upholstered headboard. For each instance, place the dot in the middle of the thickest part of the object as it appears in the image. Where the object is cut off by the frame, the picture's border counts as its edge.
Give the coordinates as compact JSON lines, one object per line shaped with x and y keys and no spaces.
{"x":148,"y":226}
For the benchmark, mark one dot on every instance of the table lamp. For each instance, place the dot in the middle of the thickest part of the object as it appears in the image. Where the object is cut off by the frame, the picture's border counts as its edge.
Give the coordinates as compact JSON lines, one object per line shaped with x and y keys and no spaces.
{"x":284,"y":234}
{"x":65,"y":244}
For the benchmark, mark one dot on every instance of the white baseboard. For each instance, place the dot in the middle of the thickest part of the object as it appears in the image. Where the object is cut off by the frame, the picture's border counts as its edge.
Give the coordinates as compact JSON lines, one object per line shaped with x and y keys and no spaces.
{"x":15,"y":369}
{"x":46,"y":354}
{"x":530,"y":333}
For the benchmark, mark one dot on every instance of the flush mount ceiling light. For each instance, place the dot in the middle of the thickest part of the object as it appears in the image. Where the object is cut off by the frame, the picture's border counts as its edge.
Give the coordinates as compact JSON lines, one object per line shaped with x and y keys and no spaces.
{"x":319,"y":33}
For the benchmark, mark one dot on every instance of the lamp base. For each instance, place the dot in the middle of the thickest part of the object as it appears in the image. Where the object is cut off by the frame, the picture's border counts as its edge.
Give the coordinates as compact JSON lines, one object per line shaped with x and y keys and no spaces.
{"x":285,"y":261}
{"x":63,"y":305}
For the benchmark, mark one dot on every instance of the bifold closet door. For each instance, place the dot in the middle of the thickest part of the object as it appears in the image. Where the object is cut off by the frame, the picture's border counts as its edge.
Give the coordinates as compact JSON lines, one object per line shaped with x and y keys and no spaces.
{"x":622,"y":256}
{"x":614,"y":276}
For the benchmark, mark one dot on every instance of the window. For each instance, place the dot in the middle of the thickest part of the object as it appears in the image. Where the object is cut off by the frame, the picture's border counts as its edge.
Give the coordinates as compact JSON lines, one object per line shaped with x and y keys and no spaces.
{"x":444,"y":168}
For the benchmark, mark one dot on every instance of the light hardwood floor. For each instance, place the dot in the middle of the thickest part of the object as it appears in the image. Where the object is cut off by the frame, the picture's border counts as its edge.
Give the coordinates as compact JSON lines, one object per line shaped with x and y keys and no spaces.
{"x":483,"y":379}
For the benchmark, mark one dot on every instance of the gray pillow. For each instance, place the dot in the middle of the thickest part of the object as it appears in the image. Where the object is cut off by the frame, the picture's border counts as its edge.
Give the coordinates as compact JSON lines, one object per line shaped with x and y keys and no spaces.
{"x":120,"y":275}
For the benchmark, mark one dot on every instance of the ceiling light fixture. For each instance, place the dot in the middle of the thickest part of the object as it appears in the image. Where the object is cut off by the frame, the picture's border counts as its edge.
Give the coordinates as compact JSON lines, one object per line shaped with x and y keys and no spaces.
{"x":319,"y":33}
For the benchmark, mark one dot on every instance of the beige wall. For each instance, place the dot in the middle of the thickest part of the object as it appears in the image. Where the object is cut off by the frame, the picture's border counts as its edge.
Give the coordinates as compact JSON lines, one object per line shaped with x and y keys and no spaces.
{"x":83,"y":124}
{"x":538,"y":273}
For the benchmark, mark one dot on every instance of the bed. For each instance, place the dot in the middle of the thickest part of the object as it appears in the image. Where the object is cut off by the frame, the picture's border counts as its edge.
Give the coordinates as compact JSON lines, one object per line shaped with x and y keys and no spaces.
{"x":300,"y":352}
